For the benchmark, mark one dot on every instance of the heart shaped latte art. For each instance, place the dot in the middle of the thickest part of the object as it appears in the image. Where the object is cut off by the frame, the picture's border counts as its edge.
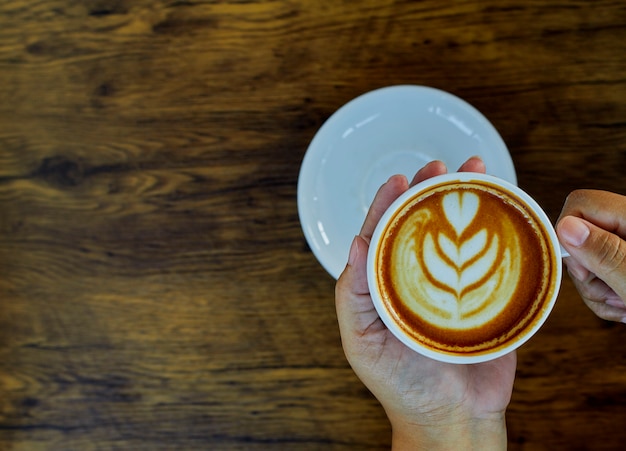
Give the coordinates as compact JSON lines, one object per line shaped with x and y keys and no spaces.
{"x":460,"y":209}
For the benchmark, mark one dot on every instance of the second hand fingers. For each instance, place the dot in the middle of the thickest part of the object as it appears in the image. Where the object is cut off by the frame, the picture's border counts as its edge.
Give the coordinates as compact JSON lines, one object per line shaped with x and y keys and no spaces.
{"x":606,"y":311}
{"x":601,"y":299}
{"x":594,"y":289}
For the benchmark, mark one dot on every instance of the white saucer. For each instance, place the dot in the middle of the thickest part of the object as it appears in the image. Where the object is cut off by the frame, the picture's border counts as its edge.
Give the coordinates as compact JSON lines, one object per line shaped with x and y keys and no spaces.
{"x":393,"y":130}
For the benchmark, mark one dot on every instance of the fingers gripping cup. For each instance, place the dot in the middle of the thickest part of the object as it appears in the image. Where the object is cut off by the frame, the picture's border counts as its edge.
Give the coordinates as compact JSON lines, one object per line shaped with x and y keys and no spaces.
{"x":464,"y":267}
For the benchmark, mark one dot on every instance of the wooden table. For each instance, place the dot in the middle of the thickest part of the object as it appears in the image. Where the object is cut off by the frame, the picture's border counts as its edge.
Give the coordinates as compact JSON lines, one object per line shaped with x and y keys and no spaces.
{"x":156,"y":290}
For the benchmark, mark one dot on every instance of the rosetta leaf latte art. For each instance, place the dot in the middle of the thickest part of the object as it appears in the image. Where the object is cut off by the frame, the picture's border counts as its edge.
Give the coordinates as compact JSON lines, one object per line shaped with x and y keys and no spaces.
{"x":461,"y":254}
{"x":461,"y":259}
{"x":455,"y":264}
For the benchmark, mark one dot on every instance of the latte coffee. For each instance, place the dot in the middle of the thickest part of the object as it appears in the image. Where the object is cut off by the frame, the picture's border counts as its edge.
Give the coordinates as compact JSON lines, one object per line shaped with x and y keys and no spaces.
{"x":464,"y":268}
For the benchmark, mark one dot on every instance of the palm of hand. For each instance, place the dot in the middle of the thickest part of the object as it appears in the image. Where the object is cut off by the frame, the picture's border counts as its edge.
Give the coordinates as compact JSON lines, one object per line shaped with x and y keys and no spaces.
{"x":405,"y":381}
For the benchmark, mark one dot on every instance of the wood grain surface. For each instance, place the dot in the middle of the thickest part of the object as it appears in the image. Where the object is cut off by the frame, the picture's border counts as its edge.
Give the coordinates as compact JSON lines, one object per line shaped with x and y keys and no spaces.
{"x":156,"y":290}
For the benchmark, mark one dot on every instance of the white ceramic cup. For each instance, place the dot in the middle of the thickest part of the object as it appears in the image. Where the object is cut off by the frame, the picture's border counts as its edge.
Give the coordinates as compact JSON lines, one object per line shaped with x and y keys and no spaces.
{"x":508,"y":345}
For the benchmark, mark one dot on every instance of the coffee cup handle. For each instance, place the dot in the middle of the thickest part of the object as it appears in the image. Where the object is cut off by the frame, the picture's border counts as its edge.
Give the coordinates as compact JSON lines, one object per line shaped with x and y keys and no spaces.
{"x":564,"y":253}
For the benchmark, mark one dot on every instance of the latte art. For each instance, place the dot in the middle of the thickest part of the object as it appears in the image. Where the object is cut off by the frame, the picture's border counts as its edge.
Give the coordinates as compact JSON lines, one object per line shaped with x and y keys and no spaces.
{"x":464,"y":268}
{"x":457,"y":273}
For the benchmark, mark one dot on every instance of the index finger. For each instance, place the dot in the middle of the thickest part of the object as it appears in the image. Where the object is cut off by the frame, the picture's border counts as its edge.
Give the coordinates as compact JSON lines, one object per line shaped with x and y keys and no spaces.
{"x":602,"y":208}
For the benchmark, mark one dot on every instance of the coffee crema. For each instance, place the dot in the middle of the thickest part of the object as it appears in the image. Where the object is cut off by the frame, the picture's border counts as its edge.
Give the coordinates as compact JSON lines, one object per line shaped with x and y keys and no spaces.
{"x":465,"y":267}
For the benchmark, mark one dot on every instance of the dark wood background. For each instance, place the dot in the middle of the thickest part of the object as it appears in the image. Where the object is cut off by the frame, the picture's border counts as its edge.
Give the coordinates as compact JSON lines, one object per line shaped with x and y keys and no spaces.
{"x":156,"y":291}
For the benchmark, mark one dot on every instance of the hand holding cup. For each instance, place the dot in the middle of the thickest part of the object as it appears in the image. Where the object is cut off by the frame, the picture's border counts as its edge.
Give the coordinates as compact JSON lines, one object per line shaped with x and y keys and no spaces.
{"x":592,"y":228}
{"x":430,"y":404}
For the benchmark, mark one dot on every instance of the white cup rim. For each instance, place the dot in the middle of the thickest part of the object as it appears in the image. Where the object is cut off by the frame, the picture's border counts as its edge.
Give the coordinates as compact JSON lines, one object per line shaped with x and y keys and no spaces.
{"x":372,"y":277}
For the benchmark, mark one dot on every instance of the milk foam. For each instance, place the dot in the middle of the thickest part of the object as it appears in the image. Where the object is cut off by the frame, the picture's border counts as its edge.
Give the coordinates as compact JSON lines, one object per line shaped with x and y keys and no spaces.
{"x":456,"y":274}
{"x":460,"y":209}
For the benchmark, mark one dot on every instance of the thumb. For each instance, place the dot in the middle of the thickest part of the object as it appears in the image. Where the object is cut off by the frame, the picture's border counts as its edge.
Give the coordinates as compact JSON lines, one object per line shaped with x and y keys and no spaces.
{"x":355,"y":310}
{"x":599,"y":251}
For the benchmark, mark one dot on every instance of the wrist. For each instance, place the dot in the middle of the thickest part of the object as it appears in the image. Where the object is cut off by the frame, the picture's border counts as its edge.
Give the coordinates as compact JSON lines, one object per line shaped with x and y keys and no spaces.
{"x":473,"y":434}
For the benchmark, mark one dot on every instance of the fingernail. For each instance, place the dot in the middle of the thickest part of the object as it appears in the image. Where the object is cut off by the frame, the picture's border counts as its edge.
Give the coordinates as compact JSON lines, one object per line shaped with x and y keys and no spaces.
{"x":574,"y":231}
{"x":615,"y":303}
{"x":354,"y":252}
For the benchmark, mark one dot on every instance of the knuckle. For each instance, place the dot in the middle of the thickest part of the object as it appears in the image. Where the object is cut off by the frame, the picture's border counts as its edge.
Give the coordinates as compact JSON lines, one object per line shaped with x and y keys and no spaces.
{"x":611,"y":253}
{"x":589,"y":291}
{"x":577,"y":197}
{"x":585,"y":292}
